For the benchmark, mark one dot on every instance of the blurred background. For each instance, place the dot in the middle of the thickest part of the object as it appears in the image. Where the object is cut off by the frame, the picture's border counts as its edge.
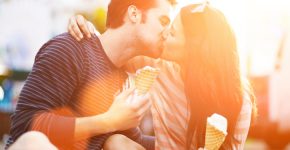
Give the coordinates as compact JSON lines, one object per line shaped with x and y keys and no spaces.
{"x":262,"y":28}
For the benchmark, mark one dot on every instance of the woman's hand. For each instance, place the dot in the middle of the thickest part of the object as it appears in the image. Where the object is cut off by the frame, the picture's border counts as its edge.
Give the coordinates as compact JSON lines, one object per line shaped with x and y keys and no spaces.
{"x":78,"y":26}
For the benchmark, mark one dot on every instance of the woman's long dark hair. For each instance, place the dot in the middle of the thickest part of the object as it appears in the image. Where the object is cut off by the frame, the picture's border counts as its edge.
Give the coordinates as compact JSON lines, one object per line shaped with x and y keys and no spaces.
{"x":212,"y":73}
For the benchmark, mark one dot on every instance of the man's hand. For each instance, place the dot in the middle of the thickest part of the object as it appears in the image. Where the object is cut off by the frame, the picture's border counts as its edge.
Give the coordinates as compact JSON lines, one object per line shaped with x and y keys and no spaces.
{"x":128,"y":110}
{"x":79,"y":26}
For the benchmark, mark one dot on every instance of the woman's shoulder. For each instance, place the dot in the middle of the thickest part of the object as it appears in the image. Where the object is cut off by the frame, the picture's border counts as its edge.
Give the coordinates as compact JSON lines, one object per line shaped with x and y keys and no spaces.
{"x":248,"y":95}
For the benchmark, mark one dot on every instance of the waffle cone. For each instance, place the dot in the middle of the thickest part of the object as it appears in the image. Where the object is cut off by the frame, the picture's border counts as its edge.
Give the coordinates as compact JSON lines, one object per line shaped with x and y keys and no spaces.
{"x":144,"y":79}
{"x":213,"y":138}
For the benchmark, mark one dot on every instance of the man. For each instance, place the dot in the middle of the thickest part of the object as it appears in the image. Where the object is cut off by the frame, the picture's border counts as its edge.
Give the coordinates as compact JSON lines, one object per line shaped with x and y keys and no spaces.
{"x":69,"y":94}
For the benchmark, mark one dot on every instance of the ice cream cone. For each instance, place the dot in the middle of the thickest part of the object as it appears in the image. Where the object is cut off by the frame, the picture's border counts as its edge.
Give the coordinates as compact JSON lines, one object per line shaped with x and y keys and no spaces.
{"x":144,"y":79}
{"x":215,"y":132}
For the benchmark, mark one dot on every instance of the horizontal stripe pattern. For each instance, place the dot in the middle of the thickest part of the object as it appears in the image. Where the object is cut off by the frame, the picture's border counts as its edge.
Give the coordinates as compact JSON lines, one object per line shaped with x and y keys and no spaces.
{"x":67,"y":75}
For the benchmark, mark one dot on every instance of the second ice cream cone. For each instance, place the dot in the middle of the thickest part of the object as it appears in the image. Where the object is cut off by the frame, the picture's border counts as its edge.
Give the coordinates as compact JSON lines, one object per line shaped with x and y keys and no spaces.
{"x":215,"y":132}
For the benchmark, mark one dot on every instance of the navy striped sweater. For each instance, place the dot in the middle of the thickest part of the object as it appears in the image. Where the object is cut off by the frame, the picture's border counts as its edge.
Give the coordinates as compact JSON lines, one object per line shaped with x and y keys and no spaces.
{"x":69,"y":79}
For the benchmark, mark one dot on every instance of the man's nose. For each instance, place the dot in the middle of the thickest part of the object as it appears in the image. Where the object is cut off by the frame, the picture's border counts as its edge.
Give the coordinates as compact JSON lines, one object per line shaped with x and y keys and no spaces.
{"x":165,"y":34}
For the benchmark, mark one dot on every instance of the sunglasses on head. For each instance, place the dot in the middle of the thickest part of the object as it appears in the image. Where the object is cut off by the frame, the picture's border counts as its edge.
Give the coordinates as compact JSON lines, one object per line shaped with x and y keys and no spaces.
{"x":199,"y":7}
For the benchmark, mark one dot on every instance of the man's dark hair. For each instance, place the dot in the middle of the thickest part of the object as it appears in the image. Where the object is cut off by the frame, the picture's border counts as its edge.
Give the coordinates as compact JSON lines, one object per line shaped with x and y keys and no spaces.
{"x":118,"y":8}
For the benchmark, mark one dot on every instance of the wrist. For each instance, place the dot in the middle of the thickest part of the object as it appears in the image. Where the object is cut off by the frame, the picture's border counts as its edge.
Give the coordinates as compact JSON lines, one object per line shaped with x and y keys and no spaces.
{"x":94,"y":125}
{"x":108,"y":122}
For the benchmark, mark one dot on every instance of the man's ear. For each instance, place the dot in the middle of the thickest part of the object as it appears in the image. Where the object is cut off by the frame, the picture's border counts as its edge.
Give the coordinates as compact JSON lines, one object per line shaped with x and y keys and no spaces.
{"x":134,"y":14}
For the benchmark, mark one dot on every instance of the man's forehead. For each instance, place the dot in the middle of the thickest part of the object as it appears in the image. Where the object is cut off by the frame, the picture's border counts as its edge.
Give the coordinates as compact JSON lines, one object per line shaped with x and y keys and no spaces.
{"x":161,"y":12}
{"x":163,"y":6}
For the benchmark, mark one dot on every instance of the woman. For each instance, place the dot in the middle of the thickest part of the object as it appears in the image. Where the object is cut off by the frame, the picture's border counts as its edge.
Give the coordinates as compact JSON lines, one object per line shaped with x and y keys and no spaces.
{"x":206,"y":80}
